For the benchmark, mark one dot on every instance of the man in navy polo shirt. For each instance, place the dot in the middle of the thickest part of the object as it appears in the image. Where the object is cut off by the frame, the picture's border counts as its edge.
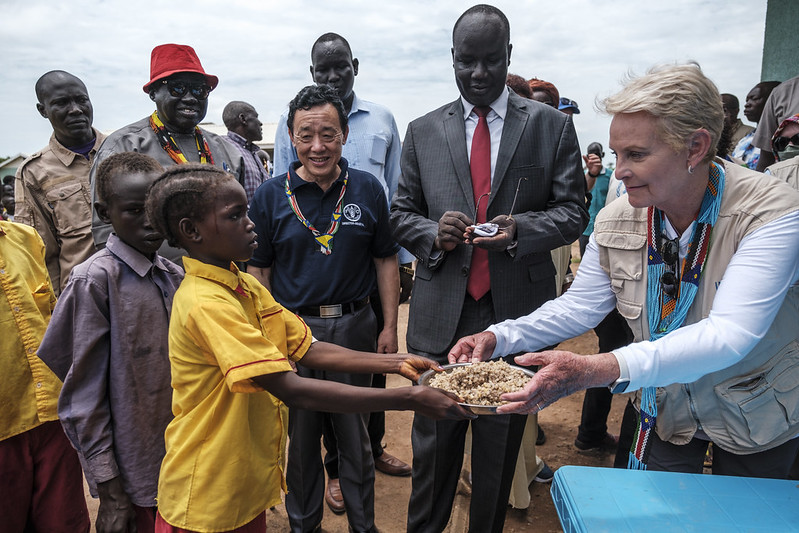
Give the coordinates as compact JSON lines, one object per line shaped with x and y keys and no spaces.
{"x":324,"y":246}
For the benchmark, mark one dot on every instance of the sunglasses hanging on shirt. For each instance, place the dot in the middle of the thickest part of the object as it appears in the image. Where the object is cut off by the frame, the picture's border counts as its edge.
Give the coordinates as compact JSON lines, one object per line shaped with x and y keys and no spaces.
{"x":670,"y":252}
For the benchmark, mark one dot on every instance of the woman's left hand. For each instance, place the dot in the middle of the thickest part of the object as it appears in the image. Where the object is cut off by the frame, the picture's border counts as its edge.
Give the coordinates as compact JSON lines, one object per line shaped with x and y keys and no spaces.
{"x":562,"y":373}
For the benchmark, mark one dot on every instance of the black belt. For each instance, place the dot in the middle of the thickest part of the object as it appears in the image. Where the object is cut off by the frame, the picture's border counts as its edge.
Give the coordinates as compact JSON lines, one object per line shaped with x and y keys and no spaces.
{"x":334,"y":310}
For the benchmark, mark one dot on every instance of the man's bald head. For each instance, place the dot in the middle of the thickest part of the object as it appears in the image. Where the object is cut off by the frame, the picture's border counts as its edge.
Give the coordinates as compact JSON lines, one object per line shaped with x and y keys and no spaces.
{"x":64,"y":101}
{"x":481,"y":54}
{"x":242,"y":118}
{"x":330,"y":37}
{"x":230,"y":115}
{"x":488,"y":11}
{"x":332,"y":64}
{"x":54,"y":77}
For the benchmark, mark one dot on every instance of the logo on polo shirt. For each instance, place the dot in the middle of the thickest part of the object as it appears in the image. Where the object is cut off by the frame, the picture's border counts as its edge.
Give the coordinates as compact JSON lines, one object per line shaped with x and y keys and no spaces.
{"x":352,"y":212}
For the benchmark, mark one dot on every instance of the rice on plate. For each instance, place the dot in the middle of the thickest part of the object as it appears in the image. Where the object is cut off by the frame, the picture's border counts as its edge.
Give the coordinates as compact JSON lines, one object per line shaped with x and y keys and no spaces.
{"x":481,"y":383}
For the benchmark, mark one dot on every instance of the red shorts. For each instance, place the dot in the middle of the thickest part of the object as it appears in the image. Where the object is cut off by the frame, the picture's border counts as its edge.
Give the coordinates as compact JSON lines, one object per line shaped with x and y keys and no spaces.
{"x":145,"y":519}
{"x":257,"y":525}
{"x":42,"y":483}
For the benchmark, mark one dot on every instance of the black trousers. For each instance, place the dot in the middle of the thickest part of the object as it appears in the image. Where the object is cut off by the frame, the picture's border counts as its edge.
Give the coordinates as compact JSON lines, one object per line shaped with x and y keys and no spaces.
{"x":376,"y":425}
{"x":689,"y":458}
{"x":613,"y":332}
{"x":629,"y":423}
{"x":304,"y":470}
{"x":438,"y":453}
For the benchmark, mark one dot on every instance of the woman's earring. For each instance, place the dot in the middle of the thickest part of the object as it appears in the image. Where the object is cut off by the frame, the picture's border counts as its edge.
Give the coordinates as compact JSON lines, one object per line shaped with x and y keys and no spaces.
{"x":690,"y":169}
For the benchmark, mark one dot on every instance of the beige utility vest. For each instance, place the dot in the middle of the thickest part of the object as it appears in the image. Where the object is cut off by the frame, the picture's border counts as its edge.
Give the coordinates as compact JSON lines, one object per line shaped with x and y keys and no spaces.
{"x":787,"y":171}
{"x":752,"y":405}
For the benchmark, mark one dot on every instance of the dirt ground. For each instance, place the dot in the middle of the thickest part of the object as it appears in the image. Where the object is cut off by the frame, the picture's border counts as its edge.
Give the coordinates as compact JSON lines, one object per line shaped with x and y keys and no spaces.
{"x":559,"y":421}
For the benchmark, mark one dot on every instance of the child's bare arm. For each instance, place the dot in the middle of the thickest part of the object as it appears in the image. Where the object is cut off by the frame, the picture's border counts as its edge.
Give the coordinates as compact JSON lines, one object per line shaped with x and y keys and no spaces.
{"x":330,"y":396}
{"x":327,"y":356}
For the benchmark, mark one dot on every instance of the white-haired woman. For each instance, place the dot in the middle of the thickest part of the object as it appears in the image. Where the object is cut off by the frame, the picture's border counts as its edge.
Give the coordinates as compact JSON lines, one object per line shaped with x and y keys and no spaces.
{"x":701,"y":257}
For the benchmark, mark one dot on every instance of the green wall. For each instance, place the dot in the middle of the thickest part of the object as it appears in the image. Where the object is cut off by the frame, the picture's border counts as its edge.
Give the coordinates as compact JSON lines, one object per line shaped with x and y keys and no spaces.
{"x":781,"y":42}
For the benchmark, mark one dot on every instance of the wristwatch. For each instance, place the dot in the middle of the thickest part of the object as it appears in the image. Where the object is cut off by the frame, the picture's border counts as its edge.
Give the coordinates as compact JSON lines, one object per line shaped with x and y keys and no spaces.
{"x":619,"y":386}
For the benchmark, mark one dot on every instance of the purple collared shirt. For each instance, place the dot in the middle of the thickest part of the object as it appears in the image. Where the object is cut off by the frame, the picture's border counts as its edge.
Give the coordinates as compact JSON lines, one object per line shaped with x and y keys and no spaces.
{"x":254,"y":172}
{"x":108,"y":342}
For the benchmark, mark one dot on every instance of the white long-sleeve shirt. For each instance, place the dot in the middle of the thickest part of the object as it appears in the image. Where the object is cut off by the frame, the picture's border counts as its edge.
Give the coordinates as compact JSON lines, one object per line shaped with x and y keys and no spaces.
{"x":747,"y":300}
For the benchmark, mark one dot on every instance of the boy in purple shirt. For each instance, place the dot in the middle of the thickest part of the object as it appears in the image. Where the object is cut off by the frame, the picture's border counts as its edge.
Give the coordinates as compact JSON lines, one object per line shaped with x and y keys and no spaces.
{"x":107,"y":340}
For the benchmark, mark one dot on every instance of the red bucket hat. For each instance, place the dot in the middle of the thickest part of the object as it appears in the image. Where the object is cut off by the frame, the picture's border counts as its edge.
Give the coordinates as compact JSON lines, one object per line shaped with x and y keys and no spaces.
{"x":168,"y":59}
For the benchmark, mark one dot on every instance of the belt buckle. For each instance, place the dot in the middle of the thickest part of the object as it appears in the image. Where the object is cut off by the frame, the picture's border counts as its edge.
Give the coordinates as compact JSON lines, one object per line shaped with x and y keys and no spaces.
{"x":330,"y":311}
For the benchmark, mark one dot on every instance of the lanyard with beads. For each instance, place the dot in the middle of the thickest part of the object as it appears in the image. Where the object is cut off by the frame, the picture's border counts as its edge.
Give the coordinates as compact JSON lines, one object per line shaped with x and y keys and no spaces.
{"x":325,"y":240}
{"x":667,"y":312}
{"x":171,"y":147}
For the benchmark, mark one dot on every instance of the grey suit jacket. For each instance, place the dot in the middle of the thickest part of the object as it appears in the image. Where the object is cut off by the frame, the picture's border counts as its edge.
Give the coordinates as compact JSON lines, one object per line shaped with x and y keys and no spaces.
{"x":538,"y":143}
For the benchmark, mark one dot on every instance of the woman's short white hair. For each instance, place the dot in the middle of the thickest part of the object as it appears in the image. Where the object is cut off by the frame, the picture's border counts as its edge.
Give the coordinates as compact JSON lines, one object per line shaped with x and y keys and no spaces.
{"x":681,"y":97}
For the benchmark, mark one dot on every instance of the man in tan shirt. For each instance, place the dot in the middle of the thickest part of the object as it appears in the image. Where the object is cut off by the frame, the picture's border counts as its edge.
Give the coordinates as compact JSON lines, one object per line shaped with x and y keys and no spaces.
{"x":52,"y":186}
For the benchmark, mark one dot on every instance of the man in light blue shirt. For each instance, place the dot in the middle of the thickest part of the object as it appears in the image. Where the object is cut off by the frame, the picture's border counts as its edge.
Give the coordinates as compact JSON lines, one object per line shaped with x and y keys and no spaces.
{"x":373,"y":146}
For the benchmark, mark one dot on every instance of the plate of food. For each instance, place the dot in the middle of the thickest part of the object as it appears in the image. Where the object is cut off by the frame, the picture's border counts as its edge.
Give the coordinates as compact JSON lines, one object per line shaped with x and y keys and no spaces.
{"x":479,"y":385}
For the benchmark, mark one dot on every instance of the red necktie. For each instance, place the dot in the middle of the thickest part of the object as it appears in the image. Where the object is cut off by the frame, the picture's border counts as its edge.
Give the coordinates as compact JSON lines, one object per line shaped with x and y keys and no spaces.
{"x":480,"y":162}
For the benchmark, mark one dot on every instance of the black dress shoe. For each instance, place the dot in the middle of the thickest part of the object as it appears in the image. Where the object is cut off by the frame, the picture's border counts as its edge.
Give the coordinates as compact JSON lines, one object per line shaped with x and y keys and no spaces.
{"x":607,"y":445}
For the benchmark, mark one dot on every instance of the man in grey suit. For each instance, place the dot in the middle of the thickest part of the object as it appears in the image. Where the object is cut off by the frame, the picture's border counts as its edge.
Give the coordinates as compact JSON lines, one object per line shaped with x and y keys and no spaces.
{"x":464,"y":282}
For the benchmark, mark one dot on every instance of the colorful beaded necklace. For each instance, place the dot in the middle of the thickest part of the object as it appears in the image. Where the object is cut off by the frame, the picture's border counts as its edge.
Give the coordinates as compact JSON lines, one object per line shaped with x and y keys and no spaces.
{"x":667,"y":312}
{"x":171,"y":147}
{"x":325,"y":240}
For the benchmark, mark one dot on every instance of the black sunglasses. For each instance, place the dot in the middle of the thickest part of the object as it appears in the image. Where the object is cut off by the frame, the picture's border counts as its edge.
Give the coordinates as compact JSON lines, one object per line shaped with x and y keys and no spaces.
{"x":178,"y":89}
{"x":781,"y":143}
{"x":670,"y":251}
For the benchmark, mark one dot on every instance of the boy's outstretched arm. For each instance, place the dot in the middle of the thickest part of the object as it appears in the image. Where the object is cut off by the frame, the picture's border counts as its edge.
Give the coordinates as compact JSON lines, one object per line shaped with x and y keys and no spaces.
{"x":330,"y":396}
{"x":327,"y":356}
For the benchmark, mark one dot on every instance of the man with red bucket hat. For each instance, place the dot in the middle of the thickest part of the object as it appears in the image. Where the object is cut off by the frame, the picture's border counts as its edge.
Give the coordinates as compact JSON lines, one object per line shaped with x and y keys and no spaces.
{"x":179,"y":86}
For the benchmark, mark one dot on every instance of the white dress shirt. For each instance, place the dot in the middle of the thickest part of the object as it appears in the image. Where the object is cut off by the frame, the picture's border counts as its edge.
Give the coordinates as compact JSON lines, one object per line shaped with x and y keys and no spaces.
{"x":496,"y":121}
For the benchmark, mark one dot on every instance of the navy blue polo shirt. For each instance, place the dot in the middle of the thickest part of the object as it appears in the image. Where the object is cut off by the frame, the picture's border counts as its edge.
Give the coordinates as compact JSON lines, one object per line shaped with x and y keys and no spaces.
{"x":301,"y":274}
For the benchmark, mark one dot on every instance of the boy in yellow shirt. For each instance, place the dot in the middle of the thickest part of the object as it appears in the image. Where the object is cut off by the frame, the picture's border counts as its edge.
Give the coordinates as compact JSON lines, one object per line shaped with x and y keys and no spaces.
{"x":228,"y":336}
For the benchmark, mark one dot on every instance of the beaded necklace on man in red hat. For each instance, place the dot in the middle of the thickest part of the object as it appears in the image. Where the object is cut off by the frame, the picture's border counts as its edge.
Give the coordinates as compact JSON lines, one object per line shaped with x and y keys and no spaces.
{"x":179,"y":86}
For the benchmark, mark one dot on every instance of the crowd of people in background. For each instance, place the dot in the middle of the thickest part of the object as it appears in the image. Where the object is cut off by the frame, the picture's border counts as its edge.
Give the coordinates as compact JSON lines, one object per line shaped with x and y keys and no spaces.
{"x":180,"y":309}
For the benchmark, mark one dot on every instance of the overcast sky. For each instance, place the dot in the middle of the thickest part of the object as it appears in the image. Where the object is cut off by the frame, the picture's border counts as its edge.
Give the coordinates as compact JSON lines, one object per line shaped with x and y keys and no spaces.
{"x":261,"y":51}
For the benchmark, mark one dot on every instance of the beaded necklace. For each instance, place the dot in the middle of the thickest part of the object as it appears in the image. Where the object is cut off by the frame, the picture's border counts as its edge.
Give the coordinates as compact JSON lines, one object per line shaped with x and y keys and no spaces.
{"x":171,"y":147}
{"x":325,"y":240}
{"x":667,"y":312}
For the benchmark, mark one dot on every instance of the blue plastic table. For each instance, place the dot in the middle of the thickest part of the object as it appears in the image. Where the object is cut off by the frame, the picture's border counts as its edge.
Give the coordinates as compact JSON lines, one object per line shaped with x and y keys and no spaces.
{"x":594,"y":499}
